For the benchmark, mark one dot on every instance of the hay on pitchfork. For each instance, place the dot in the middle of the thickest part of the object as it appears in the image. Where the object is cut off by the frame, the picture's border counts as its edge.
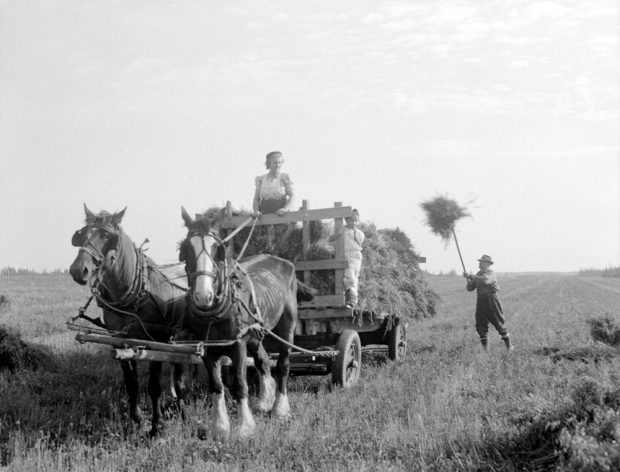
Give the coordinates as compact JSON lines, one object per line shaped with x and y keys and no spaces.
{"x":442,"y":213}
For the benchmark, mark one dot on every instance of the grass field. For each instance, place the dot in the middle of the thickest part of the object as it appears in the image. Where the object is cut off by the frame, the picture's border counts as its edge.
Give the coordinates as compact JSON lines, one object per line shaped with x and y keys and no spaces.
{"x":552,"y":404}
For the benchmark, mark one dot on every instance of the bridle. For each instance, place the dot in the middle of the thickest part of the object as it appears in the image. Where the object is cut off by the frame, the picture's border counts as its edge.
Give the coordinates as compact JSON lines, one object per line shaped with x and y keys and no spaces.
{"x":128,"y":302}
{"x":88,"y":247}
{"x":220,"y":275}
{"x":214,"y":274}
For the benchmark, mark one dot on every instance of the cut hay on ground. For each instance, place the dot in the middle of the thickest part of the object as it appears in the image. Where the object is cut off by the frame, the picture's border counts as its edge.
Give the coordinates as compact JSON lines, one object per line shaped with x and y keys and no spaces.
{"x":605,"y":330}
{"x":581,"y":435}
{"x":17,"y":354}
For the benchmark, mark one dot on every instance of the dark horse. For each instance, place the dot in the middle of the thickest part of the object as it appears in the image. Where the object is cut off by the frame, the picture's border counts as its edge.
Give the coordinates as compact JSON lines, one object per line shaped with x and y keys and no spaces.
{"x":230,"y":305}
{"x":139,"y":300}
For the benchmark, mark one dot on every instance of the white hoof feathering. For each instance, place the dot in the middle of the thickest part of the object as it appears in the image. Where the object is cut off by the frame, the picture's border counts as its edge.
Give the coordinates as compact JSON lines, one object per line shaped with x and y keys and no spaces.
{"x":221,"y":422}
{"x":281,"y":409}
{"x":247,"y":420}
{"x":267,"y":394}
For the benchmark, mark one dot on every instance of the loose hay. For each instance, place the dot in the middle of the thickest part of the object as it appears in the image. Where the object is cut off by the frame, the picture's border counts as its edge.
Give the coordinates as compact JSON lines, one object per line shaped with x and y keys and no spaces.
{"x":580,"y":435}
{"x":605,"y":329}
{"x":17,"y":354}
{"x":442,"y":213}
{"x":391,"y":280}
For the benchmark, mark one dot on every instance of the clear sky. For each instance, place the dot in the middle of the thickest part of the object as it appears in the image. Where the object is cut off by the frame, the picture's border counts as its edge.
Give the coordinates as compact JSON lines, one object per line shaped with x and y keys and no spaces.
{"x":509,"y":107}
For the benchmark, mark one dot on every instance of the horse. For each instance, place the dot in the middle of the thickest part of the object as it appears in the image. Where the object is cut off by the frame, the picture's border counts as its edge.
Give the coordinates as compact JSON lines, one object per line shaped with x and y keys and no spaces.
{"x":230,"y":306}
{"x":139,"y":300}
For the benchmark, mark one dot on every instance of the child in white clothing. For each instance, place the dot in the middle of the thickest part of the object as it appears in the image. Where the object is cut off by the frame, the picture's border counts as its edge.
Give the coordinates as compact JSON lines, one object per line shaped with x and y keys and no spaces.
{"x":353,"y":240}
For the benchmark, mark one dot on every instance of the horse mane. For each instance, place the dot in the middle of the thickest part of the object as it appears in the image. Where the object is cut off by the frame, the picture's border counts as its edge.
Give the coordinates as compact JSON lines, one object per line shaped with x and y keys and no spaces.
{"x":209,"y":220}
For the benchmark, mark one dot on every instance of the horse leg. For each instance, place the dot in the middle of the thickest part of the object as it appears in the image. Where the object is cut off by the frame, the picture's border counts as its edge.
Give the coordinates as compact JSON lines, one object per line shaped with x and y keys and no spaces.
{"x":221,"y":423}
{"x":266,"y":383}
{"x":130,"y":377}
{"x":155,"y":394}
{"x":281,"y":408}
{"x":180,"y":387}
{"x":239,"y":361}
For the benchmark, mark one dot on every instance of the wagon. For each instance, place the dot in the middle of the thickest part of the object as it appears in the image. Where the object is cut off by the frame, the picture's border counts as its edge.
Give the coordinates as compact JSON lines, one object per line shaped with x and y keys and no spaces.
{"x":330,"y":337}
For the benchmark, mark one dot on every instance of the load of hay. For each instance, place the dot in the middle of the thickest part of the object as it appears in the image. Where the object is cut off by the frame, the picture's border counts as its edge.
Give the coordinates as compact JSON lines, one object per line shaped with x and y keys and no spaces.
{"x":391,"y":280}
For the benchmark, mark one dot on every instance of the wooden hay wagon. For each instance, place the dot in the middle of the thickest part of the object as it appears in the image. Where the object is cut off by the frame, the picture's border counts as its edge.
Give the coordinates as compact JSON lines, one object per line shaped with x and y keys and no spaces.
{"x":331,"y":335}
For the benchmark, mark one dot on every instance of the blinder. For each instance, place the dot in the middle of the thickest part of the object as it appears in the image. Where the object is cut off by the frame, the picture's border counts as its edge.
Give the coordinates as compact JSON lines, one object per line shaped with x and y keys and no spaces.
{"x":183,"y":251}
{"x":79,"y":237}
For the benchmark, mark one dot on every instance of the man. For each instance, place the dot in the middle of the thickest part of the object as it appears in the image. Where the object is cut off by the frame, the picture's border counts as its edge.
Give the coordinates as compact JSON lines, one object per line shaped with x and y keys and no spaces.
{"x":353,"y":240}
{"x":488,"y":308}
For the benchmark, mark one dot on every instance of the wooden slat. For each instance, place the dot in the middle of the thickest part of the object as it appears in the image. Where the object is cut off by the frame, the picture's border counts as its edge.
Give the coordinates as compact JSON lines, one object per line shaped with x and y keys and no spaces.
{"x":305,"y":233}
{"x":324,"y":301}
{"x":292,"y":217}
{"x":325,"y":264}
{"x":339,"y":254}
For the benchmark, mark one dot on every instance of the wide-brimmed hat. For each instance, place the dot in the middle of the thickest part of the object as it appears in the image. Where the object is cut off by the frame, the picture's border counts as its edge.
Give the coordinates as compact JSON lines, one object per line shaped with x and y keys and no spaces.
{"x":486,"y":258}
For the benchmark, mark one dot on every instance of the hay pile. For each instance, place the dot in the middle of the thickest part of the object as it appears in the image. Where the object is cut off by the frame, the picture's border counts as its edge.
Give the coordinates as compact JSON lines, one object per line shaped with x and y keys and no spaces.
{"x":391,"y":280}
{"x":581,"y":435}
{"x":605,"y":330}
{"x":16,"y":354}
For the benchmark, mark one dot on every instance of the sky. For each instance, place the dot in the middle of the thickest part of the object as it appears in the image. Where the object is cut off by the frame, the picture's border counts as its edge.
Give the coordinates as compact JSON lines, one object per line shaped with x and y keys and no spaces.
{"x":509,"y":107}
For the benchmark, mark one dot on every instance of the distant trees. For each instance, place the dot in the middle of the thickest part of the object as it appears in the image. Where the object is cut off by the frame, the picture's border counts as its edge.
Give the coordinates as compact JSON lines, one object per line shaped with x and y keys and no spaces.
{"x":19,"y":271}
{"x":608,"y":272}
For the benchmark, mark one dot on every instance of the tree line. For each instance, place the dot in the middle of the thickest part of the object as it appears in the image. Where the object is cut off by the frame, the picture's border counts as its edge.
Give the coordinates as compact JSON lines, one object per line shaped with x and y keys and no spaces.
{"x":608,"y":272}
{"x":20,"y":271}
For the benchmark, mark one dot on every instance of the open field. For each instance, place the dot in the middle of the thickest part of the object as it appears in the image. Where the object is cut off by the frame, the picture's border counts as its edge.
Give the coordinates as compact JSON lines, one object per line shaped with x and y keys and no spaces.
{"x":446,"y":406}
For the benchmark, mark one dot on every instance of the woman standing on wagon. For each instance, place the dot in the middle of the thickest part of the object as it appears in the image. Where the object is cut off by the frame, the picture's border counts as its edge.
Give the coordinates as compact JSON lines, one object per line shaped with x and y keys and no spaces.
{"x":274,"y":190}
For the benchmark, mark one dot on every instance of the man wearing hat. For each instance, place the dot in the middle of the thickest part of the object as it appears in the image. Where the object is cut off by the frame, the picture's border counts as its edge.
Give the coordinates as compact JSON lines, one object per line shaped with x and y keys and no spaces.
{"x":488,"y":308}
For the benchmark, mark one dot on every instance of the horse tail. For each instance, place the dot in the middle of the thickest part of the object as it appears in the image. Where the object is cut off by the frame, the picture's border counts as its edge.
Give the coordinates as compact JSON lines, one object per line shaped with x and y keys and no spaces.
{"x":304,"y":292}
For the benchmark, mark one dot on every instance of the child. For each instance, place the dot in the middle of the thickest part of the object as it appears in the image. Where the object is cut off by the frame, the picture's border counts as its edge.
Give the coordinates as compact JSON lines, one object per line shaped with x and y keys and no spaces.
{"x":353,"y":240}
{"x":488,"y":308}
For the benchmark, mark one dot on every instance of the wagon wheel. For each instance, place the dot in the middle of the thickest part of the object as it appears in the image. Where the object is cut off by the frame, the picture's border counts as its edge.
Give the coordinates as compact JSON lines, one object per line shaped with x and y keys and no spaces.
{"x":397,"y":341}
{"x":348,"y":363}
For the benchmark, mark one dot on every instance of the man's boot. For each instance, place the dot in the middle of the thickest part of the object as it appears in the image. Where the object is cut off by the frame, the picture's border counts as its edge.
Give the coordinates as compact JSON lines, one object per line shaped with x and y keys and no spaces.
{"x":484,"y":343}
{"x":509,"y":345}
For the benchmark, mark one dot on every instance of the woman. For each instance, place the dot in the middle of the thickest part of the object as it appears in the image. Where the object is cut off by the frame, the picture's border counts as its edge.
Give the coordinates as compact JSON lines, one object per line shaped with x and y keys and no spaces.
{"x":274,"y":190}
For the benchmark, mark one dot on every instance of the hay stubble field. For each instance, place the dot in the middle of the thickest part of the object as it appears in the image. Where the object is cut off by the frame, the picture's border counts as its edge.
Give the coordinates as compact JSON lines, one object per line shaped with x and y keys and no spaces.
{"x":446,"y":406}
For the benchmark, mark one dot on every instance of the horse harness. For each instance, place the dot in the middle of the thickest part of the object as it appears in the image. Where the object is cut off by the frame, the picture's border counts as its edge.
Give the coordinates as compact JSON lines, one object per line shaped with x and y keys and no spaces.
{"x":130,"y":301}
{"x":233,"y":281}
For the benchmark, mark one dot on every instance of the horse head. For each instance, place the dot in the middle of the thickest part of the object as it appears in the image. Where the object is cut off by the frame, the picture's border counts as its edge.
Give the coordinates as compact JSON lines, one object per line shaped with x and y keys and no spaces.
{"x":96,"y":241}
{"x":205,"y":256}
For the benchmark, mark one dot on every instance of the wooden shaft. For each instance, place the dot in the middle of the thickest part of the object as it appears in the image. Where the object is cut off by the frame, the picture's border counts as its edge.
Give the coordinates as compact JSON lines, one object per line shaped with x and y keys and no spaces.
{"x":458,"y":249}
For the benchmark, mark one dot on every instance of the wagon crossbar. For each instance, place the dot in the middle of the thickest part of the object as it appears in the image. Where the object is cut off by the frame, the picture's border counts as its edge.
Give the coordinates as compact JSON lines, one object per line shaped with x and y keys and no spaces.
{"x":197,"y":348}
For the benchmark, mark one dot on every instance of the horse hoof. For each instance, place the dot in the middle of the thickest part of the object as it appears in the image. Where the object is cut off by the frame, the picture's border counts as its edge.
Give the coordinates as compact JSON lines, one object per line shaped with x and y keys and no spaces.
{"x":267,"y":396}
{"x":136,"y":417}
{"x":246,"y":430}
{"x":202,"y":433}
{"x":281,"y":409}
{"x":263,"y":406}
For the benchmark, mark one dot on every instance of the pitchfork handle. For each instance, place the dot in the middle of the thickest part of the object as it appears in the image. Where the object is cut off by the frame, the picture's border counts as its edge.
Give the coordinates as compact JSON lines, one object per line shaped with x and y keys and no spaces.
{"x":458,"y":249}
